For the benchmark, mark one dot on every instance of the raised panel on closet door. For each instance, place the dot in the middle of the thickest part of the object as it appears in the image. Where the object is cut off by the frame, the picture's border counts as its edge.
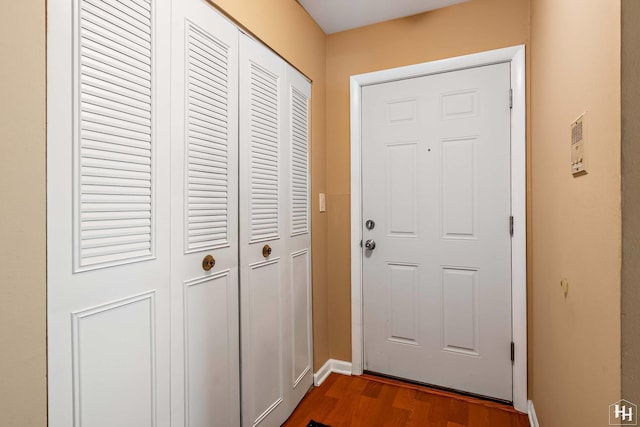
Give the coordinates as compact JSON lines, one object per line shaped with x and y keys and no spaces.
{"x":204,"y":171}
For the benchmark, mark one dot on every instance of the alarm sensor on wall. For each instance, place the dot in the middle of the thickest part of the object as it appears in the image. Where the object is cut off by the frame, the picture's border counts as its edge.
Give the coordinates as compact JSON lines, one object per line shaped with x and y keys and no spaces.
{"x":578,"y":145}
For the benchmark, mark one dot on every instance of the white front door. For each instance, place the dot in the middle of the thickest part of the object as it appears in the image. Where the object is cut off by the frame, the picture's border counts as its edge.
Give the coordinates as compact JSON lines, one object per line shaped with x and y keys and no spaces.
{"x":436,"y":183}
{"x":204,"y":206}
{"x":108,"y":213}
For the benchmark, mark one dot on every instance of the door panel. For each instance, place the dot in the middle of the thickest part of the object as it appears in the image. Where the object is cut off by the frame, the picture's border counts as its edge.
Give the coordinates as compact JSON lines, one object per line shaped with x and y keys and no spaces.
{"x":274,"y":236}
{"x":204,"y":175}
{"x":298,"y":238}
{"x":117,"y":338}
{"x":460,"y":310}
{"x":108,"y":214}
{"x":436,"y":180}
{"x":301,"y":319}
{"x":403,"y":290}
{"x":402,"y":184}
{"x":459,"y":185}
{"x":208,"y":372}
{"x":263,"y":273}
{"x":263,"y":218}
{"x":266,"y":339}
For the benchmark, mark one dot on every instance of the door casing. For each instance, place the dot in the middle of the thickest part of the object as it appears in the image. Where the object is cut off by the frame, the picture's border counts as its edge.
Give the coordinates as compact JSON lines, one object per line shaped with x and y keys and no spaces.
{"x":516,"y":57}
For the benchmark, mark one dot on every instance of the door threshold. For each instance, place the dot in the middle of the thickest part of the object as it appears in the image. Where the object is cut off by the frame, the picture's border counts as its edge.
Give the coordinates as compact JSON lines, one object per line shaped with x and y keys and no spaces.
{"x":439,"y":390}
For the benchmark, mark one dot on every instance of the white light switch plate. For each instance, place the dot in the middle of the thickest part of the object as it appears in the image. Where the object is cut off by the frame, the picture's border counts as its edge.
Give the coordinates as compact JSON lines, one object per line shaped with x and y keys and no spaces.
{"x":322,"y":203}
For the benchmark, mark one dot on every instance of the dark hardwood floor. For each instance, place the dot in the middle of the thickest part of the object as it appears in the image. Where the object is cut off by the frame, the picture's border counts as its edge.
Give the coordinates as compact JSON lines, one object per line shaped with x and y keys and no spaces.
{"x":370,"y":401}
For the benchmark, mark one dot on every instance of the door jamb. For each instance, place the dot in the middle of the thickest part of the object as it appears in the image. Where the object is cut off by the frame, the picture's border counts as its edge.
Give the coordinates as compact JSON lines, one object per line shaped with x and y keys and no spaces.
{"x":516,"y":57}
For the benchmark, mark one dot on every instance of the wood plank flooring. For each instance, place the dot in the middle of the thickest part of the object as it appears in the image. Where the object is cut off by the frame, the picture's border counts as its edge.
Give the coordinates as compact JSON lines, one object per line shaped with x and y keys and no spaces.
{"x":370,"y":401}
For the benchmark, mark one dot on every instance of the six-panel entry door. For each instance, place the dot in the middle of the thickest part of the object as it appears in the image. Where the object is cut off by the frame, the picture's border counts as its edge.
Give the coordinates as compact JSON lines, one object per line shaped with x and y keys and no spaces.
{"x":437,"y":249}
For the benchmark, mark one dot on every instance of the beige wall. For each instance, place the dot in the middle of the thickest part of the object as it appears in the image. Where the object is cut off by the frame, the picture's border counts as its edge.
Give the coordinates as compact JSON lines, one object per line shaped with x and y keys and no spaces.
{"x":630,"y":304}
{"x":469,"y":27}
{"x":285,"y":27}
{"x":576,"y":222}
{"x":22,"y":215}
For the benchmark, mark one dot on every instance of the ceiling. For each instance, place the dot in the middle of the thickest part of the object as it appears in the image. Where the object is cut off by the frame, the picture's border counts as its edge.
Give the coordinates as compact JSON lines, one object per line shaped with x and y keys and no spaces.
{"x":340,"y":15}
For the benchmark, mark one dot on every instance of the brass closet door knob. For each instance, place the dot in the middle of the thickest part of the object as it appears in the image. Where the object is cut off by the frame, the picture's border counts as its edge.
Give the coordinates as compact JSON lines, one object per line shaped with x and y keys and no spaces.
{"x":266,"y":251}
{"x":208,"y":262}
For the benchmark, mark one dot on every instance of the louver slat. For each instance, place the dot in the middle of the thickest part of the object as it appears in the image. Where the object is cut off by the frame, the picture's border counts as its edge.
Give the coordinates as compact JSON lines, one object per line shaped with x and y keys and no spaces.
{"x":299,"y":163}
{"x":264,"y":154}
{"x":207,"y":139}
{"x":115,"y":219}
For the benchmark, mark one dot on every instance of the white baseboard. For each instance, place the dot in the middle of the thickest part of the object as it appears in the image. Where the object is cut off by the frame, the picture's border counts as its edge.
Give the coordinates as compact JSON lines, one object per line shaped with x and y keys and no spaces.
{"x":533,"y":419}
{"x":332,"y":365}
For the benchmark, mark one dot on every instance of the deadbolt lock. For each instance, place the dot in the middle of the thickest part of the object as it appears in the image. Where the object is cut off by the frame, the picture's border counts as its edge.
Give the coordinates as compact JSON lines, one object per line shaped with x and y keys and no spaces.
{"x":208,"y":262}
{"x":266,"y":251}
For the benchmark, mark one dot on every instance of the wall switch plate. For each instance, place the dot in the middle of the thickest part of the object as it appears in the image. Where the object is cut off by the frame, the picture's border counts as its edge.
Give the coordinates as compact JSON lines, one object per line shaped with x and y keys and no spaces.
{"x":578,"y":143}
{"x":322,"y":202}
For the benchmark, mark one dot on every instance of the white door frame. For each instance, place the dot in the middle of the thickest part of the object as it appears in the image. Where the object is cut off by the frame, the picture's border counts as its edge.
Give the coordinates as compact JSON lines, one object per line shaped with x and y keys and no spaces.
{"x":516,"y":56}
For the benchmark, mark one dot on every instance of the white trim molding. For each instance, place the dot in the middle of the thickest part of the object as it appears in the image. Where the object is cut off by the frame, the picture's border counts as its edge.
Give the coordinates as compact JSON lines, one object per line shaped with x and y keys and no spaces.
{"x":516,"y":57}
{"x":332,"y":365}
{"x":533,"y":418}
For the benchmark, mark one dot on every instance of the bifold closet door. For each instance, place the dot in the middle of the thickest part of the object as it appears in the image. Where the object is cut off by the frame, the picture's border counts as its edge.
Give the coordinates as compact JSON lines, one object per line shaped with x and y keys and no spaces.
{"x":275,"y":257}
{"x":204,"y":202}
{"x":108,"y":302}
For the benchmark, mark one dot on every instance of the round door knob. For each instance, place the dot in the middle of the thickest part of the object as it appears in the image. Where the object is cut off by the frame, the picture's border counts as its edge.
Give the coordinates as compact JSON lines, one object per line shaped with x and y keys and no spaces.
{"x":370,"y":244}
{"x":266,"y":251}
{"x":208,"y":262}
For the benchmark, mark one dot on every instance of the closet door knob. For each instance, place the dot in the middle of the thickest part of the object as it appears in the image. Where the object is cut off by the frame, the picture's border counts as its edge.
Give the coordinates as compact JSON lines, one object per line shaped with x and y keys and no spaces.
{"x":266,"y":251}
{"x":208,"y":262}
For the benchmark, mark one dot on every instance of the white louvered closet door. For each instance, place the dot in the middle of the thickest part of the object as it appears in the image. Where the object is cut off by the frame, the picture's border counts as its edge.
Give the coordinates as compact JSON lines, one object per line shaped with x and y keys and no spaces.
{"x":204,"y":199}
{"x":108,"y":213}
{"x":298,"y":234}
{"x":274,"y":236}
